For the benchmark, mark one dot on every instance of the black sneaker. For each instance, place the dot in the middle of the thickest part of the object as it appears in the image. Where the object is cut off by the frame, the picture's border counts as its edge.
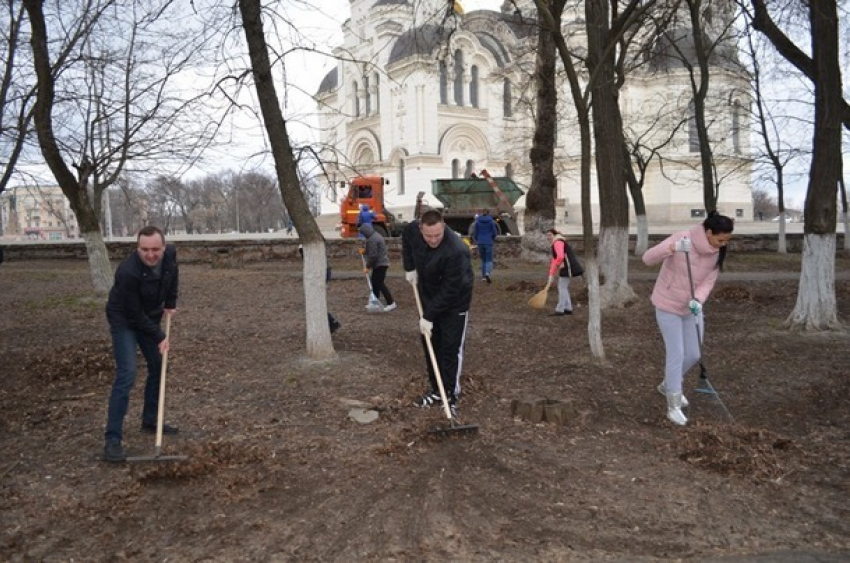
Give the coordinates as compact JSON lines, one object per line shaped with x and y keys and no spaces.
{"x":487,"y":278}
{"x":166,"y":429}
{"x":114,"y":452}
{"x":335,"y":325}
{"x":453,"y":406}
{"x":426,"y":401}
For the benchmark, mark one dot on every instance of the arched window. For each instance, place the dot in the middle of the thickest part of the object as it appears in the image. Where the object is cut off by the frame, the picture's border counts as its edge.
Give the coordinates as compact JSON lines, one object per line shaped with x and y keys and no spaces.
{"x":736,"y":127}
{"x":507,"y":103}
{"x":473,"y":86}
{"x":444,"y":83}
{"x":367,"y":94}
{"x":455,"y":168}
{"x":400,"y":179}
{"x":459,"y":77}
{"x":693,"y":134}
{"x":468,"y":172}
{"x":509,"y":170}
{"x":355,"y":100}
{"x":377,"y":93}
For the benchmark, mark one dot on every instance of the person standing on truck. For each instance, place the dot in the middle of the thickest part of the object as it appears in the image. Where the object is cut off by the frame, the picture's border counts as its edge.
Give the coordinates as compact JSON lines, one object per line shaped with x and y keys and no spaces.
{"x":144,"y":290}
{"x":438,"y":263}
{"x":485,"y":232}
{"x":378,"y":261}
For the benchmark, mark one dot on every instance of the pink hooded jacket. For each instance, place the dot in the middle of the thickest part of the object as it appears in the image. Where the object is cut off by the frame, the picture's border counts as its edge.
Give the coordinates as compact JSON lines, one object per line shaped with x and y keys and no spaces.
{"x":672,"y":290}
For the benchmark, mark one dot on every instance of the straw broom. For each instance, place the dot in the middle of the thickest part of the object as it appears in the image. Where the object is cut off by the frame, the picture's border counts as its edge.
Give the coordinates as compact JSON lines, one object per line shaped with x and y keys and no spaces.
{"x":538,"y":300}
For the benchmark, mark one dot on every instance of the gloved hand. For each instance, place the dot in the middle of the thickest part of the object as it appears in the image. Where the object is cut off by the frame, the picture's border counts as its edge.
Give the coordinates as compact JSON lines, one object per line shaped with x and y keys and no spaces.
{"x":361,"y":250}
{"x":683,"y":245}
{"x":695,"y":307}
{"x":425,"y":327}
{"x":551,"y":280}
{"x":411,"y":277}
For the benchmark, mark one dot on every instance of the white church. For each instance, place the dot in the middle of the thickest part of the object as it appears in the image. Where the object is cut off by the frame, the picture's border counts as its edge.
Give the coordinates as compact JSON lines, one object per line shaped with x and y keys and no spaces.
{"x":421,"y":92}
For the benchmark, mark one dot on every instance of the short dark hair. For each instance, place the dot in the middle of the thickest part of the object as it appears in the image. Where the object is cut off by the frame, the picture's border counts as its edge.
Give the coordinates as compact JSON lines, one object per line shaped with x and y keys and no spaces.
{"x":149,"y":231}
{"x":431,"y":217}
{"x":553,"y":231}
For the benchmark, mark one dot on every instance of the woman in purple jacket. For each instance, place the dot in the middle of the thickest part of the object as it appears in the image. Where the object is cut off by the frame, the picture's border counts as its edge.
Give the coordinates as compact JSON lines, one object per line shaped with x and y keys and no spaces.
{"x":678,"y":306}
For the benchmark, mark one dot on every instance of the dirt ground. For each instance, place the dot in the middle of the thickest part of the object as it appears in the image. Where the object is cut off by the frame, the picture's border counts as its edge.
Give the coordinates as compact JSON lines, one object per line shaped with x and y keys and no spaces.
{"x":278,"y":471}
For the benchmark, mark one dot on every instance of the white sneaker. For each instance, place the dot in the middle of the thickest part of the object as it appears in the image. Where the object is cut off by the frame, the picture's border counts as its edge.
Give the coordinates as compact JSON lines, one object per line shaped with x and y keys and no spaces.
{"x":663,"y":390}
{"x":390,"y":307}
{"x":674,"y":409}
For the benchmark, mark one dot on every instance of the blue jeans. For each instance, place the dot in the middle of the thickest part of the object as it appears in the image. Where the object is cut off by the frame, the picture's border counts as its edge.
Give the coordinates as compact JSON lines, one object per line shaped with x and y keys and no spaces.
{"x":124,"y":342}
{"x":485,"y":252}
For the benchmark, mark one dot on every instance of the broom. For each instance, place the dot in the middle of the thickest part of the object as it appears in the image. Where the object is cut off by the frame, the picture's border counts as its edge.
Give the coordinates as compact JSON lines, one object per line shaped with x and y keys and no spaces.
{"x":538,"y":300}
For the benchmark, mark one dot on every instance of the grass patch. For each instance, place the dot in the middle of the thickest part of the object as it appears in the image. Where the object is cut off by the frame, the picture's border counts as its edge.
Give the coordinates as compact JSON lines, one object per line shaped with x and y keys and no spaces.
{"x":70,"y":302}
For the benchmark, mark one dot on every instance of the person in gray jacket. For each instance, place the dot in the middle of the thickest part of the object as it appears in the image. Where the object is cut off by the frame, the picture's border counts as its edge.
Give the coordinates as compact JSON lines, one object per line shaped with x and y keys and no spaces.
{"x":378,"y":261}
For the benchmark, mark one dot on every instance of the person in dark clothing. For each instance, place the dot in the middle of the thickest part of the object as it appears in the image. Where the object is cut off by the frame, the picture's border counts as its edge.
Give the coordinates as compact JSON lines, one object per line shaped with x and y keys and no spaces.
{"x":438,"y":262}
{"x":485,"y":232}
{"x":144,"y":290}
{"x":377,"y":260}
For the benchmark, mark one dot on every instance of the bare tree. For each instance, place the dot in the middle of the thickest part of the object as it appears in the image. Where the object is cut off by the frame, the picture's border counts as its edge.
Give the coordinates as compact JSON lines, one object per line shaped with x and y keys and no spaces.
{"x":816,"y":307}
{"x":116,"y":106}
{"x":319,"y":343}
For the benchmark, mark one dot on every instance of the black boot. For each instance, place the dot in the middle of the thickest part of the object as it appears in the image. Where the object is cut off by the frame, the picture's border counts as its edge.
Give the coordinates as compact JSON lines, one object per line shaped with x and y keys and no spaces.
{"x":114,"y":452}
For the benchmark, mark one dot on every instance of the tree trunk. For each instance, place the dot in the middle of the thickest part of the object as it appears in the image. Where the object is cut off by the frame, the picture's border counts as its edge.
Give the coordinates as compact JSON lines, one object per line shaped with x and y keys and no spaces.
{"x":319,"y":343}
{"x":816,"y":304}
{"x":609,"y":142}
{"x":540,"y":199}
{"x":816,"y":307}
{"x":642,"y":240}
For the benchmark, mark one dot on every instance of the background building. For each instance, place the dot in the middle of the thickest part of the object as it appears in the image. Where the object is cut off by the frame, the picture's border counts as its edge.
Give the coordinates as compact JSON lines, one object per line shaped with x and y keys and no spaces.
{"x":418,"y":94}
{"x":37,"y":213}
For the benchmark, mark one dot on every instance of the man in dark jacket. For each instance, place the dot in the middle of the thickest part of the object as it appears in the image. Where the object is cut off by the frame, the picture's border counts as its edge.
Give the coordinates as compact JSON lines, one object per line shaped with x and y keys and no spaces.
{"x":437,"y":261}
{"x":485,"y":232}
{"x":145,"y":289}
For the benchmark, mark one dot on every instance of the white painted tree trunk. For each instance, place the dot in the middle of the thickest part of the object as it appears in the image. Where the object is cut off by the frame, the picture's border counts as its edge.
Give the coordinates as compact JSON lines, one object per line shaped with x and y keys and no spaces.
{"x":594,"y":313}
{"x":99,"y":265}
{"x":846,"y":224}
{"x":642,"y":241}
{"x":319,"y":343}
{"x":614,"y":266}
{"x":781,"y":242}
{"x":816,"y":307}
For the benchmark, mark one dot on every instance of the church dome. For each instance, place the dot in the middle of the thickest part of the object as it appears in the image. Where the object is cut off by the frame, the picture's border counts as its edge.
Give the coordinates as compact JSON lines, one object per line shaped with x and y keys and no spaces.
{"x":329,"y":82}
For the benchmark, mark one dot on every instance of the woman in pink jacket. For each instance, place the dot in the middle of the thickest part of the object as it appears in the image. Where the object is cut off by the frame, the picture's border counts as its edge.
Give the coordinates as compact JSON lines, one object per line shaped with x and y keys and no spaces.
{"x":678,"y":306}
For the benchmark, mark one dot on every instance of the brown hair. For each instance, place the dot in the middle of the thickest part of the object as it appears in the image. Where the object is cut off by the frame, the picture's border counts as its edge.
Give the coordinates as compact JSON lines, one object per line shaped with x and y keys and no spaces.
{"x":149,"y":231}
{"x":431,"y":217}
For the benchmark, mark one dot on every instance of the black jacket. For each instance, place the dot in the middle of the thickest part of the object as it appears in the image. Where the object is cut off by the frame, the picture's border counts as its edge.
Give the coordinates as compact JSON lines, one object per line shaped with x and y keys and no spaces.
{"x":138,"y":297}
{"x":445,"y":273}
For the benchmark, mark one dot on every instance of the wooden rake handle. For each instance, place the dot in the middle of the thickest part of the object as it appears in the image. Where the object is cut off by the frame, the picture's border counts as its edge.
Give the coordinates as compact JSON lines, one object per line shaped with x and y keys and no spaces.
{"x":160,"y":411}
{"x":433,"y":357}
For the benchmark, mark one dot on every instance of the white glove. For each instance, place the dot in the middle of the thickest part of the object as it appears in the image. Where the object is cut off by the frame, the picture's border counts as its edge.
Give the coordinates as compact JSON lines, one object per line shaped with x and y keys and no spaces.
{"x":551,"y":280}
{"x":695,"y":307}
{"x":411,"y":277}
{"x":683,"y":245}
{"x":425,"y":327}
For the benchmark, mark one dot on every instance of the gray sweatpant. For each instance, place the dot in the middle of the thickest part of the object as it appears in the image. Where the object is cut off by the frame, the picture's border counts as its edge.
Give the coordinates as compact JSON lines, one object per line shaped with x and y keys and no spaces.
{"x":682,"y":347}
{"x":564,"y":302}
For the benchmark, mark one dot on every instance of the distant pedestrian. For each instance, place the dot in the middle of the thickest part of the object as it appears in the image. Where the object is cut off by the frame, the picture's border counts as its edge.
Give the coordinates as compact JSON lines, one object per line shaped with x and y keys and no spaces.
{"x":289,"y":226}
{"x":678,"y":304}
{"x":378,"y":261}
{"x":486,"y":231}
{"x":144,"y":290}
{"x":566,"y":265}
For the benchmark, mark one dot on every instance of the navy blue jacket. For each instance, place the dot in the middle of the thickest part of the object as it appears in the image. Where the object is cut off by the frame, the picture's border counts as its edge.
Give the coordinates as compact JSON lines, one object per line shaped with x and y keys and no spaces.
{"x":139,"y":297}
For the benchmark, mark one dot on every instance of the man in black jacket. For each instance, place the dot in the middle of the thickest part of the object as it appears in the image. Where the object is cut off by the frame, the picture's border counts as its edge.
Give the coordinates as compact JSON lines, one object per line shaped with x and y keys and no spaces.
{"x":145,"y":289}
{"x":438,"y":262}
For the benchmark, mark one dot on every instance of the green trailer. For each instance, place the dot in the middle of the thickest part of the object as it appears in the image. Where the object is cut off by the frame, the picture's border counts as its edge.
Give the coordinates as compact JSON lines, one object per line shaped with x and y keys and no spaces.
{"x":463,"y":198}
